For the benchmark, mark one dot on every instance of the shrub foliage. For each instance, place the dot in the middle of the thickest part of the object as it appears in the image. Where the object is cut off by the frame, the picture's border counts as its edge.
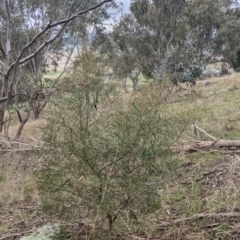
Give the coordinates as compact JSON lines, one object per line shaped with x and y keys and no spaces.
{"x":105,"y":164}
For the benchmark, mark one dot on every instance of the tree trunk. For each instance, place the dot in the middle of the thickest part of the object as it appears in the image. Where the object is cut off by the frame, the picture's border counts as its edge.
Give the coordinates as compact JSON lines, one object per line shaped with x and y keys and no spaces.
{"x":2,"y":111}
{"x":134,"y":77}
{"x":3,"y":105}
{"x":35,"y":109}
{"x":124,"y":83}
{"x":135,"y":85}
{"x":6,"y":56}
{"x":36,"y":113}
{"x":22,"y":123}
{"x":34,"y":103}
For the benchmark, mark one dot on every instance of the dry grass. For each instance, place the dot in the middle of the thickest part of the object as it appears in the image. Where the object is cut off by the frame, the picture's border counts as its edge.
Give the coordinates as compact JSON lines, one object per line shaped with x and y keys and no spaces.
{"x":19,"y":202}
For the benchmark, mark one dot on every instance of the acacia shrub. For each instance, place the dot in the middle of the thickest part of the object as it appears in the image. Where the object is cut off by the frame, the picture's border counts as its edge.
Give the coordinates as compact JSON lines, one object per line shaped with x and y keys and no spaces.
{"x":104,"y":165}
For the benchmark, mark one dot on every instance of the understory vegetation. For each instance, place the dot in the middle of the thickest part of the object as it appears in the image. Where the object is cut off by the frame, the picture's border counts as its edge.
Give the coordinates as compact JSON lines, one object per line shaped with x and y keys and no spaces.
{"x":108,"y":161}
{"x":99,"y":180}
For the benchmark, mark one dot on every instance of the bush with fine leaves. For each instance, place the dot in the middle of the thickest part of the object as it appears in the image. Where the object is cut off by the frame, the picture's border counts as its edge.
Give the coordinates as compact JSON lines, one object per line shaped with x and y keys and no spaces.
{"x":104,"y":164}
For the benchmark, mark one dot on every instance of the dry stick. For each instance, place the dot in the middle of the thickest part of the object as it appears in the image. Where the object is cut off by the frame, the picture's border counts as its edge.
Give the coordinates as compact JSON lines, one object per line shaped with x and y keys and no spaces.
{"x":19,"y":150}
{"x":18,"y":140}
{"x":22,"y":143}
{"x":203,"y":131}
{"x":196,"y":216}
{"x":237,"y":157}
{"x":15,"y":235}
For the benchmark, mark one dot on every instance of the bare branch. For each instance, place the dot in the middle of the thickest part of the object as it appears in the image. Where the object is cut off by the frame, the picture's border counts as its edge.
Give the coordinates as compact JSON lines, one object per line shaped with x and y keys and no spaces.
{"x":79,"y":14}
{"x":42,"y":46}
{"x":49,"y":26}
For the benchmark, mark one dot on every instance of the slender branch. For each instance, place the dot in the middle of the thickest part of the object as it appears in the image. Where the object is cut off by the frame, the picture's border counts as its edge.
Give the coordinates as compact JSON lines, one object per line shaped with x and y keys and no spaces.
{"x":49,"y":26}
{"x":79,"y":14}
{"x":42,"y":46}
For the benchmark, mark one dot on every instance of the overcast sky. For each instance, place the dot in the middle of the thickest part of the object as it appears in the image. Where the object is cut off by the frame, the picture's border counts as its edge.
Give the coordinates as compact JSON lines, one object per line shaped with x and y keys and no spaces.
{"x":126,"y":4}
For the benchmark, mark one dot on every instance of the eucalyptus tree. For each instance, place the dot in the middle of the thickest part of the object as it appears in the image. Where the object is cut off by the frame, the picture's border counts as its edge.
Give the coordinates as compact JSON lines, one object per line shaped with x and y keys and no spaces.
{"x":144,"y":40}
{"x":173,"y":38}
{"x":214,"y":27}
{"x":228,"y":41}
{"x":30,"y":30}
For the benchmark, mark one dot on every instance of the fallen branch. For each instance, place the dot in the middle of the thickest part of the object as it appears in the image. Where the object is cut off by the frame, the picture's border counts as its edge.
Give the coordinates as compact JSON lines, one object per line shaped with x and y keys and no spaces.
{"x":17,"y":145}
{"x":198,"y":216}
{"x":15,"y":235}
{"x":19,"y":150}
{"x":205,"y":146}
{"x":218,"y":143}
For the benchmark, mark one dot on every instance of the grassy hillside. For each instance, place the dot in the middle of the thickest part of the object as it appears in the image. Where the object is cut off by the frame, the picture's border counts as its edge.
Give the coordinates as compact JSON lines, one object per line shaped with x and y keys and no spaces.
{"x":202,"y":199}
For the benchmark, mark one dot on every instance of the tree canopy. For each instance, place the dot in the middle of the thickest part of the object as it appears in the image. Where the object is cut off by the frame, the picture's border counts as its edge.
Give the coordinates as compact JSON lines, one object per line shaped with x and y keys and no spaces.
{"x":172,"y":37}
